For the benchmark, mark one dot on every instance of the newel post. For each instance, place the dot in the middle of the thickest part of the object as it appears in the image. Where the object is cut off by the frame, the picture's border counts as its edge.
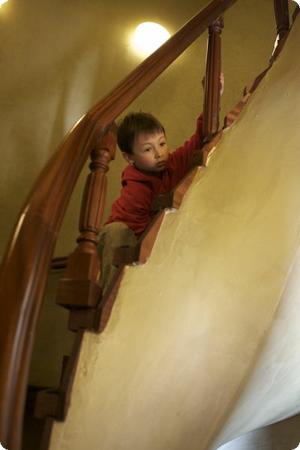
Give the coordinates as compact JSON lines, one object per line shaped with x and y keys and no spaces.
{"x":79,"y":287}
{"x":281,"y":8}
{"x":211,"y":106}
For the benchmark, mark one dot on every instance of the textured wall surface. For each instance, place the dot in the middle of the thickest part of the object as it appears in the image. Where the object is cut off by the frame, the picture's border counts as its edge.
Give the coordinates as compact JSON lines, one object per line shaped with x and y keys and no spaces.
{"x":203,"y":341}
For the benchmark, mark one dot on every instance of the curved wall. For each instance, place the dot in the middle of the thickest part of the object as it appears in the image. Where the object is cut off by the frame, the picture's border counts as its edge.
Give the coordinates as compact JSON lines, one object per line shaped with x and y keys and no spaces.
{"x":208,"y":327}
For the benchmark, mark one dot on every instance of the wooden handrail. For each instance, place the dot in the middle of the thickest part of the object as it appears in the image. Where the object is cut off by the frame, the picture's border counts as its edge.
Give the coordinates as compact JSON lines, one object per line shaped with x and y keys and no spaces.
{"x":27,"y":259}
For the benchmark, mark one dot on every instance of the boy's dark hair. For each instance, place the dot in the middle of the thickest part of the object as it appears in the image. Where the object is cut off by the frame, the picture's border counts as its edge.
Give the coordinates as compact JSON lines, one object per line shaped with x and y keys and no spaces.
{"x":132,"y":125}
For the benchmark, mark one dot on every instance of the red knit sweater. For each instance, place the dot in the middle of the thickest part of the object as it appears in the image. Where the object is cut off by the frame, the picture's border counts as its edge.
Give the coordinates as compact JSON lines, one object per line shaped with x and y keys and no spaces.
{"x":140,"y":188}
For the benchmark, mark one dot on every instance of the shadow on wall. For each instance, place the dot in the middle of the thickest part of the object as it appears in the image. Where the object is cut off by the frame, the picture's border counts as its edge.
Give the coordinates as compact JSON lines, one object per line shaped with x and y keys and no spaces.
{"x":283,"y":435}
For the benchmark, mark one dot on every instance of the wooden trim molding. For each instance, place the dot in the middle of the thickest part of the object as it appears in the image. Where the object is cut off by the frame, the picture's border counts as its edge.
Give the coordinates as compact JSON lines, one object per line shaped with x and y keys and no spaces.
{"x":234,"y":113}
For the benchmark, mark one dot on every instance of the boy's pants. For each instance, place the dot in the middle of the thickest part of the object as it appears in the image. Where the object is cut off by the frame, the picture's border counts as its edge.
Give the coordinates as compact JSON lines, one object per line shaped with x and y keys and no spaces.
{"x":112,"y":236}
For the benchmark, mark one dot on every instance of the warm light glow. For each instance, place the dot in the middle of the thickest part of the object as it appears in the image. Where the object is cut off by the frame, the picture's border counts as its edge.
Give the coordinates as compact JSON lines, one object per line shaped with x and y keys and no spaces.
{"x":148,"y":36}
{"x":298,"y":2}
{"x":2,"y":2}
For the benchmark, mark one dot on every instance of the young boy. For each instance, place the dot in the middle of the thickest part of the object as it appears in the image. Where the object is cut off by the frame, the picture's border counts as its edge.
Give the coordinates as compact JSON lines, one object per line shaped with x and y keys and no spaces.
{"x":152,"y":170}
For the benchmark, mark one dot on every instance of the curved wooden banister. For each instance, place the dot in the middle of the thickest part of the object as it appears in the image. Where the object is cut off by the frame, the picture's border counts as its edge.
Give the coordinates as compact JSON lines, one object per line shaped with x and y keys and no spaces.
{"x":26,"y":262}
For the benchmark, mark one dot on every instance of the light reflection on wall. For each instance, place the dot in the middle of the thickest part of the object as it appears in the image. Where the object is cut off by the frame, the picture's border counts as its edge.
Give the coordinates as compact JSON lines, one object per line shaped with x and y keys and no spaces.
{"x":2,"y":2}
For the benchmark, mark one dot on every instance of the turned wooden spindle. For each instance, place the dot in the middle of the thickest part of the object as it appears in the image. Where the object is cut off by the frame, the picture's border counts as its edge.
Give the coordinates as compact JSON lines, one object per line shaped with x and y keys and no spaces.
{"x":79,"y":287}
{"x":211,"y":106}
{"x":281,"y":9}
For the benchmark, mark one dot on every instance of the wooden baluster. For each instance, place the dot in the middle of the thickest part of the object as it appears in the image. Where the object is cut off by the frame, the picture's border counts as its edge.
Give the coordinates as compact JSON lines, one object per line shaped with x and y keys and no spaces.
{"x":281,"y":8}
{"x":79,"y":288}
{"x":211,"y":105}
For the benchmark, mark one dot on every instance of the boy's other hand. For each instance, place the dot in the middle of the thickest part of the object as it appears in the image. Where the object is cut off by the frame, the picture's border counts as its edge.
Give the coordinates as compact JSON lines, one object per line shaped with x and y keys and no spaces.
{"x":222,"y":82}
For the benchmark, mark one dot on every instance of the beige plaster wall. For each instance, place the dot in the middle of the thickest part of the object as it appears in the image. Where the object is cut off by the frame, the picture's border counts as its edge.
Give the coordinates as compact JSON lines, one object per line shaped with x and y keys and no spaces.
{"x":210,"y":324}
{"x":58,"y":58}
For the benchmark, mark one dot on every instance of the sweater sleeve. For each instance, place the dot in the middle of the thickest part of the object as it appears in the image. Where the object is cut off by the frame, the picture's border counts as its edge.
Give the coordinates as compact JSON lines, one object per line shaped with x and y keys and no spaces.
{"x":181,"y":158}
{"x":133,"y":207}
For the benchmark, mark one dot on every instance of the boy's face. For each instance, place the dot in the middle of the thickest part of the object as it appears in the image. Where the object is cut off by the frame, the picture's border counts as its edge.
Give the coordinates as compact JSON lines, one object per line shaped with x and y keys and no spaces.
{"x":150,"y":152}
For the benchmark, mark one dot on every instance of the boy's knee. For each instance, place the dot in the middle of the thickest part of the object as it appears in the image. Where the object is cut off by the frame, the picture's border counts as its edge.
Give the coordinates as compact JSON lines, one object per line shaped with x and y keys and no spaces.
{"x":112,"y":236}
{"x":116,"y":234}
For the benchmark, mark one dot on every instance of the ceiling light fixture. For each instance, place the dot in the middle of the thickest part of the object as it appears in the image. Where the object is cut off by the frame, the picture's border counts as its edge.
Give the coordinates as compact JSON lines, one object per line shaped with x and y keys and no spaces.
{"x":148,"y":36}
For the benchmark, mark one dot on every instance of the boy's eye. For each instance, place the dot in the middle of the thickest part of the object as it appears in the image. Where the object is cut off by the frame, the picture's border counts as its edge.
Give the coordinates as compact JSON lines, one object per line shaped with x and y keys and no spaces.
{"x":162,"y":143}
